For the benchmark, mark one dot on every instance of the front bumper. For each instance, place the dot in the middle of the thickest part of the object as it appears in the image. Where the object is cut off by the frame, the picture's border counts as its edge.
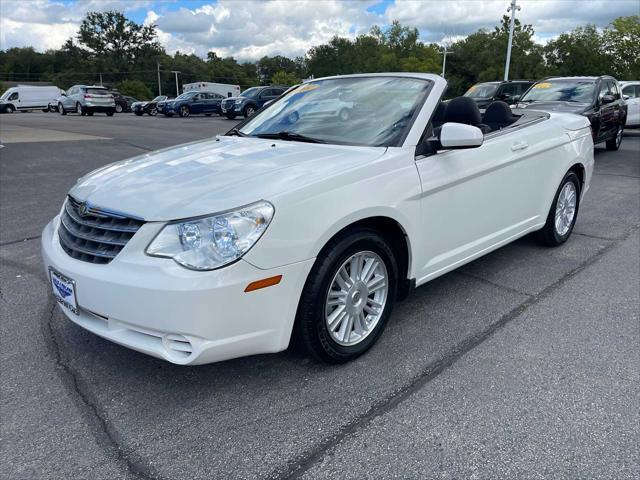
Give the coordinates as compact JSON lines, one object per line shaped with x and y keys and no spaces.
{"x":155,"y":306}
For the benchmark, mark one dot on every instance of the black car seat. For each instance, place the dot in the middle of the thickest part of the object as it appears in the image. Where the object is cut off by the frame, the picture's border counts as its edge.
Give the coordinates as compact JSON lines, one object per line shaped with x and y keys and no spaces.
{"x":464,"y":110}
{"x":498,"y":115}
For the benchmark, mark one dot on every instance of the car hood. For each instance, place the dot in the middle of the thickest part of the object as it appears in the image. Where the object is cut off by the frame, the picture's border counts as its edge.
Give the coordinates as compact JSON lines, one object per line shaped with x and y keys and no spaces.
{"x":235,"y":98}
{"x":139,"y":104}
{"x":570,"y":107}
{"x":213,"y":175}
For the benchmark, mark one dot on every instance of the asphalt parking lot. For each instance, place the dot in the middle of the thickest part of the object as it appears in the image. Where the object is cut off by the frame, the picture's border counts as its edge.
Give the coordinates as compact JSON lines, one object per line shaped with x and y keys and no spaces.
{"x":523,"y":364}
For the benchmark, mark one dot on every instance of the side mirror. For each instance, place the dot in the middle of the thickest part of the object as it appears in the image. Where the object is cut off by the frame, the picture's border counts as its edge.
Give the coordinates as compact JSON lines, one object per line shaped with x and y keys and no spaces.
{"x":459,"y":135}
{"x":626,"y":97}
{"x":608,"y":99}
{"x":515,"y":99}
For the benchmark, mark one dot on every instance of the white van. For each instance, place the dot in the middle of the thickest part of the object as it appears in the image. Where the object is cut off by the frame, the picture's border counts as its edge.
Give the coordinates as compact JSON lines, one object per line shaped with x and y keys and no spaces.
{"x":26,"y":97}
{"x":223,"y":89}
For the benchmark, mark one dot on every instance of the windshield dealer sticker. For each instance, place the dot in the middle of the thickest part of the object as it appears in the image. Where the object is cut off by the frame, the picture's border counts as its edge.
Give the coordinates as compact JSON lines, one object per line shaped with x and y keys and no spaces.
{"x":542,"y":85}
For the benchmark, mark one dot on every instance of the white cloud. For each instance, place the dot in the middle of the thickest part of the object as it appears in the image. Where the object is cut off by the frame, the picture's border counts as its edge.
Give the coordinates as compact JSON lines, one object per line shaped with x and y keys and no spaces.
{"x":250,"y":29}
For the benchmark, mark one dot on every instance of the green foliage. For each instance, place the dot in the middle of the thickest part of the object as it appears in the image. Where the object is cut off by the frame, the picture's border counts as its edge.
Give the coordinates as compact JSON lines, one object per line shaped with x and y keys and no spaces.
{"x":3,"y":88}
{"x":580,"y":50}
{"x":395,"y":49}
{"x":284,"y":79}
{"x":135,"y":89}
{"x":622,"y":46}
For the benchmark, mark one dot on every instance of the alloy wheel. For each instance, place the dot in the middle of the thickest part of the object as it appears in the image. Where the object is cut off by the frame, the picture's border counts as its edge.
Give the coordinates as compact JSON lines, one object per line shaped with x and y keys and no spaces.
{"x":565,"y":208}
{"x":356,"y":298}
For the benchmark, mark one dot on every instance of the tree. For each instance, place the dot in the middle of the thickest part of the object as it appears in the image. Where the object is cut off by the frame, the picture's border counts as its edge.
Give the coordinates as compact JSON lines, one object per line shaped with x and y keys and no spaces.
{"x":622,"y":45}
{"x":284,"y":79}
{"x":135,"y":89}
{"x":579,"y":52}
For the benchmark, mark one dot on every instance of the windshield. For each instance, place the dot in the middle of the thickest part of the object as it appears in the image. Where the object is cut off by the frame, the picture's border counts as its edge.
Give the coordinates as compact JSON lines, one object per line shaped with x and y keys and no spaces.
{"x":557,"y":90}
{"x":250,"y":92}
{"x":373,"y":111}
{"x":5,"y":95}
{"x":182,"y":96}
{"x":482,"y":90}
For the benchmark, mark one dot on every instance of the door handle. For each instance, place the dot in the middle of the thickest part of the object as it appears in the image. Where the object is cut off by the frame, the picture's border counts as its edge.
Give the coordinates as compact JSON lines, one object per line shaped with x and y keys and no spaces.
{"x":519,"y":146}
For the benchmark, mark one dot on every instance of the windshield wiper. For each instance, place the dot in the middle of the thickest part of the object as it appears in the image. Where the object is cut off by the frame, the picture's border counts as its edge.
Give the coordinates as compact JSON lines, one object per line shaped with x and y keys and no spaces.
{"x":237,"y":133}
{"x":284,"y":135}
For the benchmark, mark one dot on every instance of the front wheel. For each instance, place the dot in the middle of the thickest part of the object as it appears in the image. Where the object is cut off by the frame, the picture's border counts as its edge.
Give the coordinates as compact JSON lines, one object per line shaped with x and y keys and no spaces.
{"x":61,"y":109}
{"x":249,"y":111}
{"x":348,"y":297}
{"x":615,"y":142}
{"x":563,"y":213}
{"x":153,"y":112}
{"x":184,"y":111}
{"x":10,"y":109}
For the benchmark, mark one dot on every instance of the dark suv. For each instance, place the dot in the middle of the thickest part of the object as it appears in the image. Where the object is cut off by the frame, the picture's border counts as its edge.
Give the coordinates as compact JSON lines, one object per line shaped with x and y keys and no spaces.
{"x":488,"y":92}
{"x":249,"y":101}
{"x":597,"y":98}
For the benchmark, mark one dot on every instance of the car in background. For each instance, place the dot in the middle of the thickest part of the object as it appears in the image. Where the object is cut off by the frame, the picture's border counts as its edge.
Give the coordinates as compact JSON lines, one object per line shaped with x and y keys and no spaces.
{"x":250,"y":101}
{"x":123,"y":103}
{"x":597,"y":98}
{"x":488,"y":92}
{"x":86,"y":100}
{"x":150,"y":107}
{"x":631,"y":95}
{"x":27,"y":97}
{"x":192,"y":103}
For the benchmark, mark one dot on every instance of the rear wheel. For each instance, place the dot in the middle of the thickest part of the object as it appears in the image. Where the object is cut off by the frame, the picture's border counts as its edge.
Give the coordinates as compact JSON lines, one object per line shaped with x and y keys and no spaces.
{"x":80,"y":110}
{"x":61,"y":109}
{"x":348,"y":297}
{"x":615,"y":142}
{"x":118,"y":108}
{"x":563,"y":213}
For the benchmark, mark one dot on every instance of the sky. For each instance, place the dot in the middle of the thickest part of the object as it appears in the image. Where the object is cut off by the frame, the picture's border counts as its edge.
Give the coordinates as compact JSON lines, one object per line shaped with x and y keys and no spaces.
{"x":250,"y":29}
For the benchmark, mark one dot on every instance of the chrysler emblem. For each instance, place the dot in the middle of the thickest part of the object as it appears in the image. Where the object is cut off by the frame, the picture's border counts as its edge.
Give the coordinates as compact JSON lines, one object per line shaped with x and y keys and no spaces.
{"x":83,"y":209}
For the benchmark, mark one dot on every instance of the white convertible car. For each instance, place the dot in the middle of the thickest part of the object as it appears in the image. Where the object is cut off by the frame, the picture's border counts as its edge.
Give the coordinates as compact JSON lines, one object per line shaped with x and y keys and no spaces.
{"x":294,"y":228}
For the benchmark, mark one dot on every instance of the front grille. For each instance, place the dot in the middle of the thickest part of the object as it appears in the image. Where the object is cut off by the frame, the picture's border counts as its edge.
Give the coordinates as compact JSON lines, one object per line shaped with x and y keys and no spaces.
{"x":94,"y":235}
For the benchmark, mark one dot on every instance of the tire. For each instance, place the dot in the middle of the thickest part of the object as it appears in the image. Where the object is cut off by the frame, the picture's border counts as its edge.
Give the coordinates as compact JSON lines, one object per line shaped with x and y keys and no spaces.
{"x":118,"y":108}
{"x":110,"y":114}
{"x":614,"y":143}
{"x":61,"y":109}
{"x":184,"y":111}
{"x":230,"y":116}
{"x":248,"y":111}
{"x":168,"y":114}
{"x":153,"y":112}
{"x":312,"y":331}
{"x":551,"y":234}
{"x":10,"y":109}
{"x":207,"y":114}
{"x":45,"y":110}
{"x":138,"y":113}
{"x":80,"y":110}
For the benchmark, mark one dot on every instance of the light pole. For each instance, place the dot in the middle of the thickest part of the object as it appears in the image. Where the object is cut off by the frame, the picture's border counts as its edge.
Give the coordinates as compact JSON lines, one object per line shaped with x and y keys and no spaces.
{"x":511,"y":9}
{"x":445,"y":51}
{"x":177,"y":90}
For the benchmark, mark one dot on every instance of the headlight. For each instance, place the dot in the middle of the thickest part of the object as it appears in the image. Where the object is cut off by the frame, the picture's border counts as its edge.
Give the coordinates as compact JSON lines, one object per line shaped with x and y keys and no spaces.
{"x":238,"y":102}
{"x":207,"y":243}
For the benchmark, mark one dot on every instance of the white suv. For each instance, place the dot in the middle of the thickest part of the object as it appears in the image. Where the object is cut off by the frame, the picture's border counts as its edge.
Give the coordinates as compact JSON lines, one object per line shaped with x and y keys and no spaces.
{"x":86,"y":100}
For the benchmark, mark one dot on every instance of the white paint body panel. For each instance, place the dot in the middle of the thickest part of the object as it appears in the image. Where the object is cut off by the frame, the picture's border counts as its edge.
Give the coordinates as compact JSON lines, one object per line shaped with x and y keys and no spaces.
{"x":633,"y":104}
{"x":453,"y":206}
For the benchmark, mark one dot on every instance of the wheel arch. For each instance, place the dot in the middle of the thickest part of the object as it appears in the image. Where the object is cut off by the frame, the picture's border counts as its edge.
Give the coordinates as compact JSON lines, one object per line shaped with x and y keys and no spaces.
{"x":396,"y":236}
